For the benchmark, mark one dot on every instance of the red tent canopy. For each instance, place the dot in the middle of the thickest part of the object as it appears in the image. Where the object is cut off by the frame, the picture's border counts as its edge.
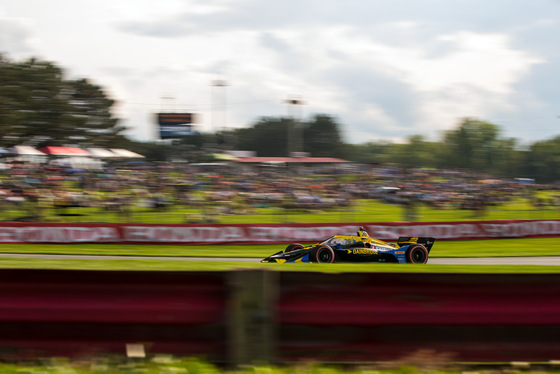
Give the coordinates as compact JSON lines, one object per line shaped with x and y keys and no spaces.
{"x":65,"y":151}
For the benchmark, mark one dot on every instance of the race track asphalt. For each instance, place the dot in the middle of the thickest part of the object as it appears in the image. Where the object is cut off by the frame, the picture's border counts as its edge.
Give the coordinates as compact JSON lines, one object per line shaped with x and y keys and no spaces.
{"x":548,"y":260}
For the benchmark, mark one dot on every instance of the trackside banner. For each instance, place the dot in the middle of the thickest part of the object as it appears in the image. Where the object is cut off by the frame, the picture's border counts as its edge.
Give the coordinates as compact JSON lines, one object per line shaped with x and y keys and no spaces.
{"x":267,"y":233}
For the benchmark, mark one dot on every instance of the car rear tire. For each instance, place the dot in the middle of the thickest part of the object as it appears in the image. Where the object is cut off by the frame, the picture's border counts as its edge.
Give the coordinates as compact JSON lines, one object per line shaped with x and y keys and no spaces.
{"x":417,"y":254}
{"x":323,"y":255}
{"x":293,"y":247}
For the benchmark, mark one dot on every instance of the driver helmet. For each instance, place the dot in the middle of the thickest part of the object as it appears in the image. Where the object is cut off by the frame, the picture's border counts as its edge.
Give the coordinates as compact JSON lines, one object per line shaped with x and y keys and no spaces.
{"x":362,"y":233}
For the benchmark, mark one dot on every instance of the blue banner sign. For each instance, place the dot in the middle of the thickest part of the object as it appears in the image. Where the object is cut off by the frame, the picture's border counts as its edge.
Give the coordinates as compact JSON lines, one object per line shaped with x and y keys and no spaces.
{"x":175,"y":125}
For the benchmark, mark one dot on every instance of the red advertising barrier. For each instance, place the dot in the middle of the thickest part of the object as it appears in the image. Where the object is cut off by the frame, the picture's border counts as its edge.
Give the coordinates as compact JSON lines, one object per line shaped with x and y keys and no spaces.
{"x":371,"y":317}
{"x":13,"y":232}
{"x":48,"y":312}
{"x":242,"y":317}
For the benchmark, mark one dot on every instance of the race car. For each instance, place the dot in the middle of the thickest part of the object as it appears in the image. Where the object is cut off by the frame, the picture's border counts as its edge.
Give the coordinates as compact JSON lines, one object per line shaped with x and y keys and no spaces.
{"x":358,"y":248}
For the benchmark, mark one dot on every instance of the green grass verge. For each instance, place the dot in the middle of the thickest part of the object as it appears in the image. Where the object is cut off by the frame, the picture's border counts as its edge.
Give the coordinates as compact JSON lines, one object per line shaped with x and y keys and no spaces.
{"x":471,"y":248}
{"x":163,"y":265}
{"x":173,"y":364}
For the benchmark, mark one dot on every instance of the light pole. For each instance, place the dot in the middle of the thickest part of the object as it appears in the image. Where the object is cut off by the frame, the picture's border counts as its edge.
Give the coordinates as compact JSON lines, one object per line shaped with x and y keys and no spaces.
{"x":217,"y":106}
{"x":295,"y":135}
{"x":168,"y":104}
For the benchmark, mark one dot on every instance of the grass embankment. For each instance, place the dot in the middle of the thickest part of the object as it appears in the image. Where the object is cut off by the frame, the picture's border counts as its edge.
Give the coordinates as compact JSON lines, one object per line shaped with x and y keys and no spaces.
{"x":365,"y":210}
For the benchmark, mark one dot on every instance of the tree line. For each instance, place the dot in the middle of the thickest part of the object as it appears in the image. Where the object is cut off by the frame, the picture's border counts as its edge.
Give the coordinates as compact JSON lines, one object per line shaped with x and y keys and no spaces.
{"x":472,"y":145}
{"x":39,"y":106}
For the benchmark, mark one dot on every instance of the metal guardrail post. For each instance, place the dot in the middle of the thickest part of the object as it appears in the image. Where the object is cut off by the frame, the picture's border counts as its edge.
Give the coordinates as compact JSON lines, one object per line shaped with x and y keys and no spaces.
{"x":251,"y":317}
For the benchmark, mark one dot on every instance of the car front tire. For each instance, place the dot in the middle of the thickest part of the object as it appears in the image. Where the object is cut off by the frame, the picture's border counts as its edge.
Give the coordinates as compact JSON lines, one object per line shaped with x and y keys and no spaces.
{"x":323,"y":255}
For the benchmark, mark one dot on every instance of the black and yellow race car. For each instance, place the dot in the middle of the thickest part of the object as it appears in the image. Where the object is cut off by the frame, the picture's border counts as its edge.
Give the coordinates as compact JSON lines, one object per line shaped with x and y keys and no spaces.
{"x":357,"y":248}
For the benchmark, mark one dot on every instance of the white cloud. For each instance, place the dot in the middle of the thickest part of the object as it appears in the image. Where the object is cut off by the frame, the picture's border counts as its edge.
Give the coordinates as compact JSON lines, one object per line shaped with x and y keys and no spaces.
{"x":385,"y":69}
{"x":486,"y":61}
{"x":16,"y":35}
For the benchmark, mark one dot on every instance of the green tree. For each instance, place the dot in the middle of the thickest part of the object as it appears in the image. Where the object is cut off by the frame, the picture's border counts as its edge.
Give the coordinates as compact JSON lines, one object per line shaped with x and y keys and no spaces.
{"x":272,"y":136}
{"x":379,"y":152}
{"x":268,"y":137}
{"x":322,"y":137}
{"x":544,"y":160}
{"x":511,"y":159}
{"x":90,"y":111}
{"x":473,"y":145}
{"x":39,"y":106}
{"x":415,"y":153}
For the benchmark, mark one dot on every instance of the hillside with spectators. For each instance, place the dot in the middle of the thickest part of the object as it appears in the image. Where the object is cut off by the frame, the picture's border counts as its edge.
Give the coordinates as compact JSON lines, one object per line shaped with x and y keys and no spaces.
{"x":186,"y":193}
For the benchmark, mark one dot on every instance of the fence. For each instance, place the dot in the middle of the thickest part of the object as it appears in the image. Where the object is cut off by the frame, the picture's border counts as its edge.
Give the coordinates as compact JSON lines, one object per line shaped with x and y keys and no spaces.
{"x":242,"y":317}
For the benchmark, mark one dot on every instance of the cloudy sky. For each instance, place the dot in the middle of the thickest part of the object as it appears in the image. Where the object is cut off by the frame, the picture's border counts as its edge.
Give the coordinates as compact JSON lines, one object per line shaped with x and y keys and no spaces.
{"x":386,"y":69}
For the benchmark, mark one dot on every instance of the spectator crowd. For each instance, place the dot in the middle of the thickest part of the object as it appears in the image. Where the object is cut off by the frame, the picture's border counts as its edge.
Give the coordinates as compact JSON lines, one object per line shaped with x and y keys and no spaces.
{"x":30,"y":191}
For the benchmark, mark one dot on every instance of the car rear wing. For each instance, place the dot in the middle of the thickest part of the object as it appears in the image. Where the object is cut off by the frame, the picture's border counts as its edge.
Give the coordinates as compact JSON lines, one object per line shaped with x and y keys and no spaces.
{"x":425,"y":241}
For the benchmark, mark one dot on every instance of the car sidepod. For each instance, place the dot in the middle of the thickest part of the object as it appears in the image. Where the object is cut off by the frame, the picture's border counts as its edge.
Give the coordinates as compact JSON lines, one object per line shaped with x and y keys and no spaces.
{"x":370,"y":253}
{"x":409,"y":254}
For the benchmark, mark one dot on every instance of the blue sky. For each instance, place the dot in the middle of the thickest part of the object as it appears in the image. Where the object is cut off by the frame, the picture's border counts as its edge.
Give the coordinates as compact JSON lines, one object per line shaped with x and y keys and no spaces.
{"x":386,"y":69}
